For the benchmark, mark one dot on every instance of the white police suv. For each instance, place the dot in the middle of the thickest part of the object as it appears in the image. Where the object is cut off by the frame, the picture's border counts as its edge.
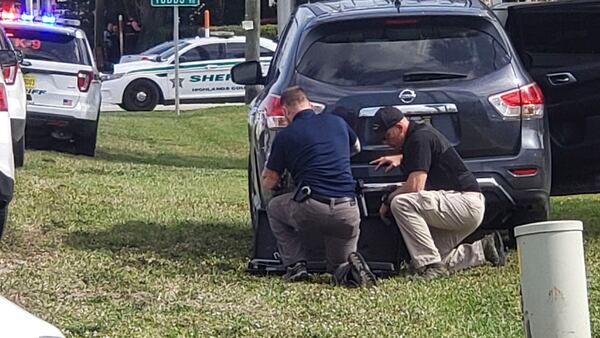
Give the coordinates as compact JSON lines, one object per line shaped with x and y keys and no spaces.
{"x":205,"y":64}
{"x":62,"y":82}
{"x":7,"y":169}
{"x":17,"y":107}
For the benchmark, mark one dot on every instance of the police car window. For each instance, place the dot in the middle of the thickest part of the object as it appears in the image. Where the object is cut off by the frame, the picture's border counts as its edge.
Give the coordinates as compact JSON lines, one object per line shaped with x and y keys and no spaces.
{"x":48,"y":46}
{"x":238,"y":50}
{"x":202,"y":53}
{"x":171,"y":50}
{"x":159,"y":48}
{"x":384,"y":51}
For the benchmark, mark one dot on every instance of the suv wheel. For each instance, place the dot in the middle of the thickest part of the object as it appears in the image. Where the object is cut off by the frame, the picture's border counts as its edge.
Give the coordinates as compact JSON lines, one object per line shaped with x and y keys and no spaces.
{"x":19,"y":152}
{"x":251,"y":193}
{"x":86,"y":143}
{"x":3,"y":217}
{"x":141,"y":95}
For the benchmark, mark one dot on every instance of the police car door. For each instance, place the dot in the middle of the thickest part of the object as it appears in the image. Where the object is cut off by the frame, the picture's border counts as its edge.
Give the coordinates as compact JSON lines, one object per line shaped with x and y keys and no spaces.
{"x":235,"y":54}
{"x":201,"y":73}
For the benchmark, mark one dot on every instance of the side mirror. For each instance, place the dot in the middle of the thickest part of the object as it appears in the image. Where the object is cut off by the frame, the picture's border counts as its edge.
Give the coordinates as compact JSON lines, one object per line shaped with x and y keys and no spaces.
{"x":20,"y":56}
{"x":248,"y":73}
{"x":8,"y":58}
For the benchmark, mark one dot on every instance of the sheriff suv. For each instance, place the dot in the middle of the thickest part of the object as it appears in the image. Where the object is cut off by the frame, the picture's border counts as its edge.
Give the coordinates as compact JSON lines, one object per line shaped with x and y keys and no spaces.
{"x":17,"y":101}
{"x":8,"y":59}
{"x":447,"y":63}
{"x":63,"y":86}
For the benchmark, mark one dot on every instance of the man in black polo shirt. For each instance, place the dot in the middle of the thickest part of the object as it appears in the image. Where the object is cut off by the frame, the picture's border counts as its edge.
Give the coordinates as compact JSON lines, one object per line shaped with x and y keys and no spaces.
{"x":316,"y":150}
{"x":440,"y":204}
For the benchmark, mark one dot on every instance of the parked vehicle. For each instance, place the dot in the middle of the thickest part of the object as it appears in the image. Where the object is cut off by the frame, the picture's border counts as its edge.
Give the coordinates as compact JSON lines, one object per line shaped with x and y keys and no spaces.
{"x":7,"y":170}
{"x":17,"y":100}
{"x":558,"y":44}
{"x":63,"y":86}
{"x":446,"y":63}
{"x":17,"y":322}
{"x":204,"y":74}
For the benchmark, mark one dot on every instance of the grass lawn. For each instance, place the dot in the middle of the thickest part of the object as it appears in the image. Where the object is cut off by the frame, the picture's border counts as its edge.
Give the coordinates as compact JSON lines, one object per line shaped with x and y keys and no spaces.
{"x":151,"y":238}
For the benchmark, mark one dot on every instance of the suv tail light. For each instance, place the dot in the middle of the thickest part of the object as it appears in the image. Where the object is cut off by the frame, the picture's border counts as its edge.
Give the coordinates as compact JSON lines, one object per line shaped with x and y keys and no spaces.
{"x":3,"y":99}
{"x":84,"y":80}
{"x":526,"y":102}
{"x":271,"y":107}
{"x":10,"y":74}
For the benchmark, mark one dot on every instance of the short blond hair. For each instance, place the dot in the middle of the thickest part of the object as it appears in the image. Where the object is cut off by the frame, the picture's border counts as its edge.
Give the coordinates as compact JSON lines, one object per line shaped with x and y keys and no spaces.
{"x":293,"y":96}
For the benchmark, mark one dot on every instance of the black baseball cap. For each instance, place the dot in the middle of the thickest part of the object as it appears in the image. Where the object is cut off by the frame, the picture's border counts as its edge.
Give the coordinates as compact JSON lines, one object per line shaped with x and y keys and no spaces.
{"x":385,"y":118}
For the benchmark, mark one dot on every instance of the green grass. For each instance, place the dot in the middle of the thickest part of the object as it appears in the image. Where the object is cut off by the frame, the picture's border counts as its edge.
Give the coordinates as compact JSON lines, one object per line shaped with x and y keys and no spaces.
{"x":151,"y":238}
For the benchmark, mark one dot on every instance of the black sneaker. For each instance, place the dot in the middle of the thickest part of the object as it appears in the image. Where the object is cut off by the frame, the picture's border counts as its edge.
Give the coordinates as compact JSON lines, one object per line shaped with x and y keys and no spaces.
{"x":360,"y":270}
{"x":431,"y":271}
{"x":493,"y":249}
{"x":296,"y":272}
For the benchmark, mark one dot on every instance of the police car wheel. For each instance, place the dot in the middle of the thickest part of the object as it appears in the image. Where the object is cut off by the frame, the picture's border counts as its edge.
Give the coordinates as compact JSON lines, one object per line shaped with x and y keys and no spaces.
{"x":141,"y":95}
{"x":3,"y":217}
{"x":19,"y":152}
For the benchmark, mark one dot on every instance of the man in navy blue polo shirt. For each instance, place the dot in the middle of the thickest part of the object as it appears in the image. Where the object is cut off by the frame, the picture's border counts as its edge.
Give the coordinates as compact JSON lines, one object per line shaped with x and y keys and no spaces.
{"x":316,"y":150}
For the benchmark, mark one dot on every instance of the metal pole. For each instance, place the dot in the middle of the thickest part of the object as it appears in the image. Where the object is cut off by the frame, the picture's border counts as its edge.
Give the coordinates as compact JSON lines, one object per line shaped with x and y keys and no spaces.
{"x":176,"y":39}
{"x":121,"y":38}
{"x":98,"y":33}
{"x":284,"y":11}
{"x":29,"y":7}
{"x":252,"y":41}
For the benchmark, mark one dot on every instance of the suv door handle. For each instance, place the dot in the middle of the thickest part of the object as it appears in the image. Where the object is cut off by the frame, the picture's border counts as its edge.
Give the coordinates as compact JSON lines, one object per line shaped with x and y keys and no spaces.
{"x":559,"y":79}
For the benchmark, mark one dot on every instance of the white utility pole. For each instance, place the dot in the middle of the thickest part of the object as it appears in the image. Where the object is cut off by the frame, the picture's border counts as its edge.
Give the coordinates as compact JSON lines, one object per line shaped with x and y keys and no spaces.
{"x":176,"y":40}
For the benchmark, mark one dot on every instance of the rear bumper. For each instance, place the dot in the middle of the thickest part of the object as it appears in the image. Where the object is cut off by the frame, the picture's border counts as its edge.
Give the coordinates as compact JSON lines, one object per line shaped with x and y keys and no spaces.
{"x":43,"y":125}
{"x":17,"y":127}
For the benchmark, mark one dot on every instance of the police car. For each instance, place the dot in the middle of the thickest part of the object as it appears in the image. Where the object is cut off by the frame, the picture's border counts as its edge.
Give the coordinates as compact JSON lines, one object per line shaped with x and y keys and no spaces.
{"x":17,"y":322}
{"x":62,"y":83}
{"x":7,"y":170}
{"x":205,"y":64}
{"x":15,"y":87}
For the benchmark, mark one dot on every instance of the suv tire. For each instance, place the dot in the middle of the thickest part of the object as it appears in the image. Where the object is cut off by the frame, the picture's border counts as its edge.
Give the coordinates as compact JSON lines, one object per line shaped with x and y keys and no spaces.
{"x":19,"y":152}
{"x":86,"y":145}
{"x":3,"y":217}
{"x":141,"y":95}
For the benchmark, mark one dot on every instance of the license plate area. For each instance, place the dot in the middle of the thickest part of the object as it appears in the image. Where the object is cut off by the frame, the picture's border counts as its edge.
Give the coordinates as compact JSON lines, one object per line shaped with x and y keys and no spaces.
{"x":29,"y":81}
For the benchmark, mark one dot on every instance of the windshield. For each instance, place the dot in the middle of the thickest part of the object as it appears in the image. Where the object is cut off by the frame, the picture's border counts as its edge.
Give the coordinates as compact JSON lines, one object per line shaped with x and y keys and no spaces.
{"x":158,"y":48}
{"x":171,"y":50}
{"x":49,"y":46}
{"x":391,"y":51}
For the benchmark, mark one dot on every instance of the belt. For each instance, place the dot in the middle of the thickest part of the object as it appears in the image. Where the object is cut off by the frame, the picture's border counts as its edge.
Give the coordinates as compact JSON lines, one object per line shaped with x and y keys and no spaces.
{"x":331,"y":200}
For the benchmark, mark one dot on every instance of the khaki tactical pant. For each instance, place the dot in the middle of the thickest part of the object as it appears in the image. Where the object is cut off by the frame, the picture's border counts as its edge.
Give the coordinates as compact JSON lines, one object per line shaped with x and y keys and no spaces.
{"x":433,"y":223}
{"x":338,"y":224}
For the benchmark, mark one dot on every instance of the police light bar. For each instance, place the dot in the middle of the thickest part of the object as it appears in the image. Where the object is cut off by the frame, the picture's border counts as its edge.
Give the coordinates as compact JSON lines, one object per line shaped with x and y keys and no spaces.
{"x":48,"y":19}
{"x":68,"y":22}
{"x":27,"y":17}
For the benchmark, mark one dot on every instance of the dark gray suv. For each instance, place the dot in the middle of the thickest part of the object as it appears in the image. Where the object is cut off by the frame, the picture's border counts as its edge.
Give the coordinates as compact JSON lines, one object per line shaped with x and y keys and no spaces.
{"x":448,"y":63}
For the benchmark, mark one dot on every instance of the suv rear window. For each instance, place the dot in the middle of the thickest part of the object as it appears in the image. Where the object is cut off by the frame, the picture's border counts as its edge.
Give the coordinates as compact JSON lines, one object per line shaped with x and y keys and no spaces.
{"x":49,"y":46}
{"x":389,"y":51}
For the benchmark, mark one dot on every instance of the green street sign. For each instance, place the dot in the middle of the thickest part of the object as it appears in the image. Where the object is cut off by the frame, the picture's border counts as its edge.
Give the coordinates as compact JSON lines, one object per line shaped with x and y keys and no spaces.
{"x":172,"y":3}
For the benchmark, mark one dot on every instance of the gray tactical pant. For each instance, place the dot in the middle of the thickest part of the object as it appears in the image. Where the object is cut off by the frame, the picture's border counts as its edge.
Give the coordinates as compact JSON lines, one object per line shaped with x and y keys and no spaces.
{"x":338,"y":224}
{"x":433,"y":223}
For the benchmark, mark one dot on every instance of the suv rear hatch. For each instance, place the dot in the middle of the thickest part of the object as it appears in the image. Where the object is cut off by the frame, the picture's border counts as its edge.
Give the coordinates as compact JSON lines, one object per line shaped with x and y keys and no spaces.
{"x":60,"y":66}
{"x":440,"y":69}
